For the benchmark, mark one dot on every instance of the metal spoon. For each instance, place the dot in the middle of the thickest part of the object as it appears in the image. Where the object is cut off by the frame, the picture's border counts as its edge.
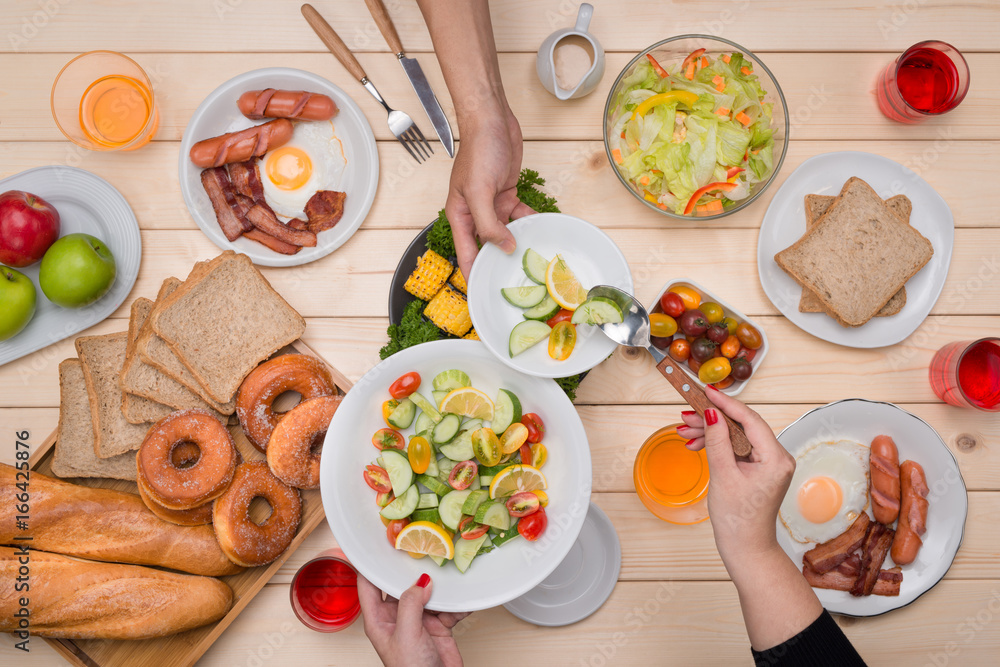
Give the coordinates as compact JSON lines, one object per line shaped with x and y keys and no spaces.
{"x":633,"y":331}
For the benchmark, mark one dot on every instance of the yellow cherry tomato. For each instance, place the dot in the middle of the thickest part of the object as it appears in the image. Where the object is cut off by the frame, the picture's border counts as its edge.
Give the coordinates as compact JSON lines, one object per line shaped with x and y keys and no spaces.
{"x":419,"y":454}
{"x":539,"y":455}
{"x":562,"y":340}
{"x":731,"y":324}
{"x":486,"y":446}
{"x":715,"y":369}
{"x":690,"y":298}
{"x":661,"y":325}
{"x":713,"y":312}
{"x":543,"y":497}
{"x":512,"y":439}
{"x":387,"y":408}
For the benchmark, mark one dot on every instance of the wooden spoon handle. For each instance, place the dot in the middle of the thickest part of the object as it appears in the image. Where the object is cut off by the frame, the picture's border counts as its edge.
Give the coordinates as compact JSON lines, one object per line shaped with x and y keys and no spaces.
{"x":384,"y":23}
{"x":333,"y":42}
{"x":695,"y":396}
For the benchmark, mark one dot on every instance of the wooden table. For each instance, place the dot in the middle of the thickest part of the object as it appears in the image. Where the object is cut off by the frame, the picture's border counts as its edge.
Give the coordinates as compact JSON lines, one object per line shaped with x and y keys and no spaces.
{"x":673,"y":604}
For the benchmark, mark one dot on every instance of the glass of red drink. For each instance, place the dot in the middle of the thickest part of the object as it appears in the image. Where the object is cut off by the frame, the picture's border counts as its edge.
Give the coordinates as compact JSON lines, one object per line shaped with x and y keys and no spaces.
{"x":967,"y":374}
{"x":324,"y":592}
{"x":929,"y":79}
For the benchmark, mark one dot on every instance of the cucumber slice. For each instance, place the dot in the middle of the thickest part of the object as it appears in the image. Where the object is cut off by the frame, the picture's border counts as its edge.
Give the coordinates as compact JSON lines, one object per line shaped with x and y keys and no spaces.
{"x":506,"y":411}
{"x":427,"y":501}
{"x":525,"y":297}
{"x":493,"y":513}
{"x":433,"y":485}
{"x":546,"y":310}
{"x":501,"y":537}
{"x":446,"y":429}
{"x":430,"y":514}
{"x":403,"y":505}
{"x":424,"y":423}
{"x":432,"y":468}
{"x":475,"y":499}
{"x":429,"y":409}
{"x":445,"y":466}
{"x":451,"y":380}
{"x":460,"y":449}
{"x":486,"y":480}
{"x":472,"y":425}
{"x":440,"y":560}
{"x":437,"y":397}
{"x":597,"y":311}
{"x":451,"y":508}
{"x":402,"y":416}
{"x":494,"y":470}
{"x":474,"y":485}
{"x":466,"y":550}
{"x":525,"y":334}
{"x":398,"y":467}
{"x":534,"y":266}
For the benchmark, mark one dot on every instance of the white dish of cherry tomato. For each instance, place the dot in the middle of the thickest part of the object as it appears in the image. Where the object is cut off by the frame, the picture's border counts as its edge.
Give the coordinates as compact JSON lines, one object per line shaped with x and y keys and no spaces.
{"x":715,"y":343}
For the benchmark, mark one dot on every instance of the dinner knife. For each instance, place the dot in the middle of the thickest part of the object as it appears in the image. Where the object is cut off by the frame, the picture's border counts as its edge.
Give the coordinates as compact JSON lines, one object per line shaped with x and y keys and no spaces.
{"x":416,"y":76}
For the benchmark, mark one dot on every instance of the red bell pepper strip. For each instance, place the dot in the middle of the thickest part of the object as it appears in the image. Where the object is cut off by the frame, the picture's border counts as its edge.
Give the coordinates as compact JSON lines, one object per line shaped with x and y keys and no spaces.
{"x":720,"y":186}
{"x":656,"y":66}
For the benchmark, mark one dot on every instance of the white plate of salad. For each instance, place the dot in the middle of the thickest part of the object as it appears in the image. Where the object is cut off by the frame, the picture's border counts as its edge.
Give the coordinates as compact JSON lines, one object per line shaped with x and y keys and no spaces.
{"x":531,"y":309}
{"x":426,"y":469}
{"x":695,"y":126}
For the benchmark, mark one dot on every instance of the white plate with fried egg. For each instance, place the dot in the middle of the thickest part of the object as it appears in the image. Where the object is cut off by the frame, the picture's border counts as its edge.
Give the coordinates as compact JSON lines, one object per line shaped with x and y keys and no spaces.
{"x":830,"y":486}
{"x":342,"y":156}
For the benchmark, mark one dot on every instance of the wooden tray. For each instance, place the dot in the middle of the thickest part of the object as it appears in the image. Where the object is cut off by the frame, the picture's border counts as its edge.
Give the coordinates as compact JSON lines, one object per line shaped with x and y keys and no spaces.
{"x":184,"y":649}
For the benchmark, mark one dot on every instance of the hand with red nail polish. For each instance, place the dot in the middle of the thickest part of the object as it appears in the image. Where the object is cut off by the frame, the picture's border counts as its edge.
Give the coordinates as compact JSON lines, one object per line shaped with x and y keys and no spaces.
{"x":403,"y":632}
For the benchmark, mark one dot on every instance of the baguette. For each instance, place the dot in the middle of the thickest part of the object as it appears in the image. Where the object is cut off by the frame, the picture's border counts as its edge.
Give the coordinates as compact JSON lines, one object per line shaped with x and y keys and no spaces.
{"x":78,"y":599}
{"x":105,"y":525}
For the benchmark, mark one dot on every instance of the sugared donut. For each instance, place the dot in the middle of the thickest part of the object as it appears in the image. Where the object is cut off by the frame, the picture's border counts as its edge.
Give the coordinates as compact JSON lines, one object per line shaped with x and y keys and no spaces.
{"x":292,"y":451}
{"x":243,"y":541}
{"x":289,"y":372}
{"x":182,"y":485}
{"x":196,"y":516}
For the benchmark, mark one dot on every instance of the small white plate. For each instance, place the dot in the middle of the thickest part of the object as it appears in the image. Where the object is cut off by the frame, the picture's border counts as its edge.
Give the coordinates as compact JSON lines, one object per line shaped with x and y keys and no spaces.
{"x":218,"y":114}
{"x":582,"y":582}
{"x":494,"y":578}
{"x":785,"y":222}
{"x":88,"y":204}
{"x":862,"y":420}
{"x":591,"y":255}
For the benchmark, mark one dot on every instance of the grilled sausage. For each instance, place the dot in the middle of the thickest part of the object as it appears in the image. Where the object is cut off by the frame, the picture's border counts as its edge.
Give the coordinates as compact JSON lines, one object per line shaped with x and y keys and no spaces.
{"x":912,"y":514}
{"x":295,"y":104}
{"x":884,"y":479}
{"x":243,"y":145}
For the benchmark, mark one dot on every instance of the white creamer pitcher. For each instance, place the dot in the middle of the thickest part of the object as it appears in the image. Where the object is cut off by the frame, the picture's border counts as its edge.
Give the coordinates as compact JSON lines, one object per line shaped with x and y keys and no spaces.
{"x":562,"y":59}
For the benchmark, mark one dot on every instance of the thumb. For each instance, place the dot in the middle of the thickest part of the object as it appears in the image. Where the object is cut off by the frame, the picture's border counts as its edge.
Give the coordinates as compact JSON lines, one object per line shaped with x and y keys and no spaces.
{"x":718,"y":448}
{"x":410,"y":612}
{"x":488,"y":225}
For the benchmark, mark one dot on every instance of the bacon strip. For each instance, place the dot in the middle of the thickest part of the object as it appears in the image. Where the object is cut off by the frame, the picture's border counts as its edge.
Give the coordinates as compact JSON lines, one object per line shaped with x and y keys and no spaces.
{"x":228,"y":211}
{"x":873,"y":553}
{"x":325,"y":209}
{"x":824,"y":557}
{"x":272,"y":243}
{"x":887,"y":583}
{"x":265,"y":220}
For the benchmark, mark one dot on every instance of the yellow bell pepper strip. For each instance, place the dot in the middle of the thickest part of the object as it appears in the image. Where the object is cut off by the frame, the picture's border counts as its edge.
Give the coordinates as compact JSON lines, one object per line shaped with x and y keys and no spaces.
{"x":656,"y":66}
{"x":733,"y":171}
{"x":743,"y":118}
{"x":649,"y":196}
{"x":720,"y":186}
{"x":669,"y":97}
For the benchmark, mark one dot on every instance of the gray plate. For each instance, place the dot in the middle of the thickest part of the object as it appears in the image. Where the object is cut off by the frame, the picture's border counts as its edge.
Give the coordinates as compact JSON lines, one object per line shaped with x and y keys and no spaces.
{"x":89,"y":204}
{"x":581,"y":583}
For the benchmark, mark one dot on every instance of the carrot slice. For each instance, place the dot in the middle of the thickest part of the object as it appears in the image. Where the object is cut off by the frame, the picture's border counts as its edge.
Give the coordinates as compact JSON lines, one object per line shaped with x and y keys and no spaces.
{"x":617,"y":155}
{"x":743,"y":118}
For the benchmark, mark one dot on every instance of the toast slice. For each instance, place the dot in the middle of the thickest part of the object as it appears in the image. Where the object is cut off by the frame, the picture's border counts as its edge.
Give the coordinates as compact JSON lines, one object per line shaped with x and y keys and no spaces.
{"x":74,"y":455}
{"x":137,"y":408}
{"x":141,"y":380}
{"x":225,"y":320}
{"x":155,"y":353}
{"x":102,"y":358}
{"x":856,"y":256}
{"x":816,"y":206}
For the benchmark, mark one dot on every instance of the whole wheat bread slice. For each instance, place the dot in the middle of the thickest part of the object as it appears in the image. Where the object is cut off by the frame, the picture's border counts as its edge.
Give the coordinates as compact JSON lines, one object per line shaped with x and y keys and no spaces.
{"x":102,"y":358}
{"x":74,"y":456}
{"x":153,"y":352}
{"x":857,"y":255}
{"x":816,"y":206}
{"x":224,"y":321}
{"x":137,"y":408}
{"x":141,"y":380}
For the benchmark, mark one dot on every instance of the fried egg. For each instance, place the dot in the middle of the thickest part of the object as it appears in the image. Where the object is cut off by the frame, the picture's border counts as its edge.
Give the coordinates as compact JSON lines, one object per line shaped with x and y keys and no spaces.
{"x":828,"y":490}
{"x":312,"y":160}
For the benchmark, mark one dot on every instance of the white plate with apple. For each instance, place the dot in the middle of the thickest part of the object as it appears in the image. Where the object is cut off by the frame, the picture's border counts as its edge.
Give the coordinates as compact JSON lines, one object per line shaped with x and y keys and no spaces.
{"x":90,"y":279}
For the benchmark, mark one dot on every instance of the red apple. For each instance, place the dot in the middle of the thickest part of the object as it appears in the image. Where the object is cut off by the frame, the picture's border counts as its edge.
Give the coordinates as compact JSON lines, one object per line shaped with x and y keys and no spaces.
{"x":28,"y":226}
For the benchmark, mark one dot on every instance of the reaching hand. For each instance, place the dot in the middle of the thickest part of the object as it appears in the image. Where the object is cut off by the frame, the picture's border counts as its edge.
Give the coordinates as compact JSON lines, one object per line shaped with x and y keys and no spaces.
{"x":403,"y":633}
{"x":482,"y":197}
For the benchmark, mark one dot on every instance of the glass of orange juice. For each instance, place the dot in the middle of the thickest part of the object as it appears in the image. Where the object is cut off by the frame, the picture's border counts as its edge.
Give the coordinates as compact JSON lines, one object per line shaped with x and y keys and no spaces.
{"x":671,"y":480}
{"x":103,"y":101}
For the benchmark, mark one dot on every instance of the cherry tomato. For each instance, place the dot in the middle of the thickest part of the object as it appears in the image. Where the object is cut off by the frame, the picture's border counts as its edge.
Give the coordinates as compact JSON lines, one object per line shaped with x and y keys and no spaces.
{"x":539,"y":455}
{"x":387,"y":408}
{"x":693,"y":323}
{"x":462,"y":475}
{"x":672,"y":304}
{"x":419,"y":454}
{"x":384,"y":498}
{"x":747,"y":354}
{"x":731,"y":324}
{"x":394,"y":528}
{"x":536,"y":427}
{"x":415,"y":555}
{"x":662,"y":326}
{"x":690,"y":298}
{"x":713,"y":311}
{"x":660,"y":343}
{"x":470,"y":530}
{"x":680,"y":350}
{"x":717,"y":333}
{"x":526,"y":453}
{"x":542,"y":496}
{"x":749,"y":336}
{"x":512,"y":439}
{"x":694,"y":364}
{"x":724,"y":383}
{"x":562,"y":340}
{"x":742,"y":370}
{"x":532,"y":526}
{"x":702,"y":350}
{"x":405,"y":385}
{"x":714,"y":370}
{"x":377,"y":478}
{"x":730,"y":347}
{"x":486,"y":446}
{"x":562,"y":316}
{"x":388,"y":438}
{"x":385,"y":522}
{"x":523,"y":503}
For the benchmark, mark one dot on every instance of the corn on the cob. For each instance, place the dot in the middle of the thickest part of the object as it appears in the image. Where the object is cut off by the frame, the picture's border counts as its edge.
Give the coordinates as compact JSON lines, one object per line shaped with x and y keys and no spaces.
{"x":449,"y":311}
{"x":472,"y":335}
{"x":429,"y":277}
{"x":457,"y":281}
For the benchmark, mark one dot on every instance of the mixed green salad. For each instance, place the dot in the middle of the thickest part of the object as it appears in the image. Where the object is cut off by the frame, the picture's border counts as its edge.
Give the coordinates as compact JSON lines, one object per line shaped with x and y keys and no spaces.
{"x":695,"y":137}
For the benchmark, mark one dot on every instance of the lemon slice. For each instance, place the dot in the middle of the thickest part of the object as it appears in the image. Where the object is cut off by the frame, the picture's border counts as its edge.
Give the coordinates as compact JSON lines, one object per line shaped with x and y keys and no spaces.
{"x":563,"y":286}
{"x":424,"y":537}
{"x":516,"y":478}
{"x":468,"y":402}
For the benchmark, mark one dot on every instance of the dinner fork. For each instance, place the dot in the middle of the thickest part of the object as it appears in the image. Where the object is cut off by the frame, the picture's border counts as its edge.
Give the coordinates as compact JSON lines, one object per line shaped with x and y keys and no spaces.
{"x":400,"y":124}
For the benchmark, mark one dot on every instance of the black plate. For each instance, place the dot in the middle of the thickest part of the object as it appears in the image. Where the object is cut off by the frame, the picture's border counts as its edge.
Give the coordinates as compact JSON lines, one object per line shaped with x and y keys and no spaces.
{"x":398,"y":296}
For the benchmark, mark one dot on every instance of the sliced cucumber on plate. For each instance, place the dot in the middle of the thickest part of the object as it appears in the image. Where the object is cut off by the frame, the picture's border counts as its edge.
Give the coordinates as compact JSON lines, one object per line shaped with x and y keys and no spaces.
{"x":545,"y":310}
{"x":597,"y":311}
{"x":404,"y":504}
{"x":451,"y":380}
{"x":466,"y":550}
{"x":506,"y":411}
{"x":450,"y":508}
{"x":398,"y":467}
{"x":526,"y":334}
{"x":534,"y":266}
{"x":525,"y":297}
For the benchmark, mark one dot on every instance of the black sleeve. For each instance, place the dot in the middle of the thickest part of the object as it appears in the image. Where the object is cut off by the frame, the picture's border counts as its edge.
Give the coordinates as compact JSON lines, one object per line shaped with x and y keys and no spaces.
{"x":822,"y":644}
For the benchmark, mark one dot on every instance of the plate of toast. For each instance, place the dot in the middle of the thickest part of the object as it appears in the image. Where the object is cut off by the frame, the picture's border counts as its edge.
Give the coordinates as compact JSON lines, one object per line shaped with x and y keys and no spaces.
{"x":855,"y":249}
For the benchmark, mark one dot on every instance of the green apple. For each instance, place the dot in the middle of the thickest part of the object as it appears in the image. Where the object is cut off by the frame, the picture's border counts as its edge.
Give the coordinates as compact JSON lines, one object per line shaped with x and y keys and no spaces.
{"x":17,"y":302}
{"x":76,"y":271}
